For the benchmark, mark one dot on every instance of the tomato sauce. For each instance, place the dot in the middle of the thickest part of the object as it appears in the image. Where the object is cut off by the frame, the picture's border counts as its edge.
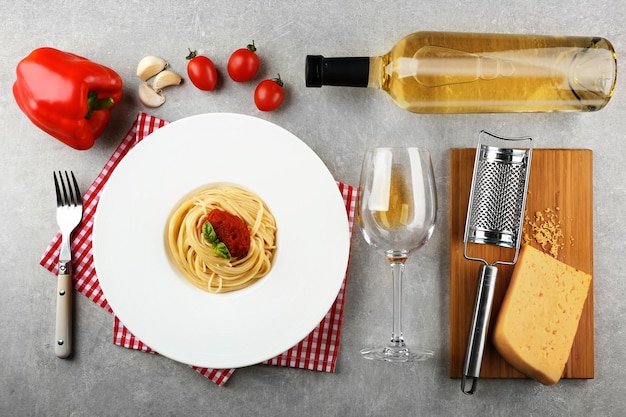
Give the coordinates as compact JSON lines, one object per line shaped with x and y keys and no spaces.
{"x":231,"y":230}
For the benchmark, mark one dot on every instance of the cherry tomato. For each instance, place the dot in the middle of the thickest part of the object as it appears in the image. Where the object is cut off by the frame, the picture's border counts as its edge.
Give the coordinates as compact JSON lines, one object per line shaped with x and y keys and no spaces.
{"x":201,"y":71}
{"x":269,"y":94}
{"x":243,"y":64}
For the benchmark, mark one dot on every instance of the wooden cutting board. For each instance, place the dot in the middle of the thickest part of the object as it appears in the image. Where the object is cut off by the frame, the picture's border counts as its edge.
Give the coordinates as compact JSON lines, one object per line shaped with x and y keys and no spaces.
{"x":560,"y":188}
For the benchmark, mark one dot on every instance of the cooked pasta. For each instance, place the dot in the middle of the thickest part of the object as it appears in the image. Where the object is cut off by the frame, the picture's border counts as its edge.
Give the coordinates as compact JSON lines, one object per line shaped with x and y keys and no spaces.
{"x":196,"y":257}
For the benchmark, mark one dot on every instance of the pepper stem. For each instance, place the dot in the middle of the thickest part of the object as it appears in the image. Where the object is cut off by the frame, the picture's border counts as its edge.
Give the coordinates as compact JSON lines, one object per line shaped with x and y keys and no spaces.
{"x":94,"y":103}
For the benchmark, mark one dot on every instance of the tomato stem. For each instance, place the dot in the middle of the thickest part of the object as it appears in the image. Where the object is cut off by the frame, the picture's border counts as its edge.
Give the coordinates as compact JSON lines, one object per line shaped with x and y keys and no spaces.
{"x":192,"y":54}
{"x":251,"y":46}
{"x":278,"y":80}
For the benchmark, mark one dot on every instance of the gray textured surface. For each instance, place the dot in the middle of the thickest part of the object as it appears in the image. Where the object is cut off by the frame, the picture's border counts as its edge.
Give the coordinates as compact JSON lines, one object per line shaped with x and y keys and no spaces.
{"x":104,"y":380}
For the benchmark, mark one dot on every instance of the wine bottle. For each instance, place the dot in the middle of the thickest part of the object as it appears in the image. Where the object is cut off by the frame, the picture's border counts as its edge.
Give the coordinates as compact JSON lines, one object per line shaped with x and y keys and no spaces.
{"x":446,"y":72}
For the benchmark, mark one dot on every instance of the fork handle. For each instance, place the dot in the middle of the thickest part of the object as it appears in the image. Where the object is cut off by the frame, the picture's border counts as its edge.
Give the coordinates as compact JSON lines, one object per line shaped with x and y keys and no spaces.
{"x":63,"y":332}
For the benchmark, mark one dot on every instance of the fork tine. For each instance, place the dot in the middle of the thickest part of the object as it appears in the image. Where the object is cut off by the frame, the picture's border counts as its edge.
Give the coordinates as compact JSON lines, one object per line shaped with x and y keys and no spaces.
{"x":72,"y":199}
{"x":78,"y":201}
{"x":58,"y":190}
{"x":65,"y":198}
{"x":67,"y":195}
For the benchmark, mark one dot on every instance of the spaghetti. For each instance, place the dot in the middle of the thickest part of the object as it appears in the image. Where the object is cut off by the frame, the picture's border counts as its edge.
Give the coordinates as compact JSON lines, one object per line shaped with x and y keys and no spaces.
{"x":195,"y":256}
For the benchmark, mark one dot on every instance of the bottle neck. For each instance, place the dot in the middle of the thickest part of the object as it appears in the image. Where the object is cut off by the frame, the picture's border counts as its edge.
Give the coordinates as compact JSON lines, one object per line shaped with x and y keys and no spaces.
{"x":343,"y":72}
{"x":377,"y":76}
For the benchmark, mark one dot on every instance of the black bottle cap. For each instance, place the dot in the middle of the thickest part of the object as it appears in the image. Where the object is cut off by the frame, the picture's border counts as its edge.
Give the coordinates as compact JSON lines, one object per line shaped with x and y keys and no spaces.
{"x":346,"y":72}
{"x":313,"y":70}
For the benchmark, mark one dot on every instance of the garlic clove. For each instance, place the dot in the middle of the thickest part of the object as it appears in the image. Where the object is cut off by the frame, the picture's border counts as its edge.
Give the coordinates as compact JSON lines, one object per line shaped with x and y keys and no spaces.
{"x":165,"y":79}
{"x":149,"y":66}
{"x":149,"y":97}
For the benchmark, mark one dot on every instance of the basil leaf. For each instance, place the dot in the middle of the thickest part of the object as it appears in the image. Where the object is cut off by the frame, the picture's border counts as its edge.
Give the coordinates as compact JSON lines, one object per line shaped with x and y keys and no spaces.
{"x":221,"y":250}
{"x":209,"y":233}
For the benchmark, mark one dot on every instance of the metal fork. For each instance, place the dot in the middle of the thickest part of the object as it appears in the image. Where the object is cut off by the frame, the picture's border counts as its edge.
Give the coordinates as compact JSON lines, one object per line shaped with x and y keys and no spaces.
{"x":69,"y":215}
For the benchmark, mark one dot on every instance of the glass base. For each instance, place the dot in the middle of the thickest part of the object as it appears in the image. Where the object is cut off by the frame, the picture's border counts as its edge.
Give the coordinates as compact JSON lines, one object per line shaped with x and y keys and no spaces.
{"x":397,"y":354}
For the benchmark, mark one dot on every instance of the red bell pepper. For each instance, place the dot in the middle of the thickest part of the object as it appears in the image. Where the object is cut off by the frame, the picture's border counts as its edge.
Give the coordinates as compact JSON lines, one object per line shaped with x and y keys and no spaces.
{"x":66,"y":96}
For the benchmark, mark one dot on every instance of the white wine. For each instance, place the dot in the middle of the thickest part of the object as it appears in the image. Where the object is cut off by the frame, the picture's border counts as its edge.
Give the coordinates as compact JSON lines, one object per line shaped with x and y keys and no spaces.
{"x":447,"y":72}
{"x":400,"y":208}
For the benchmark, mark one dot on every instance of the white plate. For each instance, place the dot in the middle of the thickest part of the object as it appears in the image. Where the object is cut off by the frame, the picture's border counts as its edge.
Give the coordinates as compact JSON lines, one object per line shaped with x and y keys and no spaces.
{"x":153,"y":299}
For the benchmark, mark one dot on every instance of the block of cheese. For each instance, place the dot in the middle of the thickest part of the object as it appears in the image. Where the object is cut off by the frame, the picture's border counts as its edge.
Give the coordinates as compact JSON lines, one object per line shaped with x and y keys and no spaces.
{"x":539,"y":315}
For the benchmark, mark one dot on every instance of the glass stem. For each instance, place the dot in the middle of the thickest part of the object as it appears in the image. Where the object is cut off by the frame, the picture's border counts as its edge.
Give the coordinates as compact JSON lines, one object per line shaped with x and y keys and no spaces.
{"x":397,"y":270}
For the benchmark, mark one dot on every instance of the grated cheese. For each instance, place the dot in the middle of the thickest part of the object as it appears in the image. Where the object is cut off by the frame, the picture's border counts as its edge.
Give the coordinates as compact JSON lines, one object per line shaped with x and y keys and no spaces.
{"x":545,"y":228}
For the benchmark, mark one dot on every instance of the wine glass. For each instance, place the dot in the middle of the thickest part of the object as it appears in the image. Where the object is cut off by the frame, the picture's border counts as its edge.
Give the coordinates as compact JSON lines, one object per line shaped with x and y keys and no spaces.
{"x":397,"y":209}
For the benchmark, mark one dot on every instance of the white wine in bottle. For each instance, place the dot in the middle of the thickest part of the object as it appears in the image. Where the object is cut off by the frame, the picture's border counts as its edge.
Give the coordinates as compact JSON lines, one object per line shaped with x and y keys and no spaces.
{"x":447,"y":72}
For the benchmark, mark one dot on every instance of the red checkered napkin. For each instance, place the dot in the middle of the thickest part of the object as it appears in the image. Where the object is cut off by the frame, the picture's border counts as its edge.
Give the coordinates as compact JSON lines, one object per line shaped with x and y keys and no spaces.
{"x":318,"y":351}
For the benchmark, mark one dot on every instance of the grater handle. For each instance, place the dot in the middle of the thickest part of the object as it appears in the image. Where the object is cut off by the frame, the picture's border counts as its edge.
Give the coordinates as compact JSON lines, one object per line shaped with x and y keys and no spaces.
{"x":478,"y":328}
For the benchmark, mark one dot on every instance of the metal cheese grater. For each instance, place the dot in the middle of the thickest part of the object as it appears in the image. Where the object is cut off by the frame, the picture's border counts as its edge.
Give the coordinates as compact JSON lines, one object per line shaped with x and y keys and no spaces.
{"x":495,"y":216}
